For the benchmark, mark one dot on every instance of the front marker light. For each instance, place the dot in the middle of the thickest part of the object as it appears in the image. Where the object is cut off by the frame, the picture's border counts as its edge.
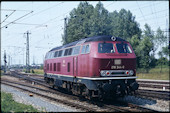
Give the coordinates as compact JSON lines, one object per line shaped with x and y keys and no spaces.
{"x":107,"y":73}
{"x":127,"y":72}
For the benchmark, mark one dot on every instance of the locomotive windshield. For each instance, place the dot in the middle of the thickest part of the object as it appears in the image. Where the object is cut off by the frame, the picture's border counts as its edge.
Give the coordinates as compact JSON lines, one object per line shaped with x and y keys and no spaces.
{"x":123,"y":48}
{"x":105,"y":48}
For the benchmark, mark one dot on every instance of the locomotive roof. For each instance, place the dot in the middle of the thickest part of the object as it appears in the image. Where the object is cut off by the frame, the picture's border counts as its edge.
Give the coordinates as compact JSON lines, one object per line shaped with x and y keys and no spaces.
{"x":89,"y":39}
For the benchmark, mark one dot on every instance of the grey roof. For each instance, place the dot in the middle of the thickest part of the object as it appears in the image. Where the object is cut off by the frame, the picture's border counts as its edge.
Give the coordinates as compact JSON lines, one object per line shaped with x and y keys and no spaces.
{"x":89,"y":39}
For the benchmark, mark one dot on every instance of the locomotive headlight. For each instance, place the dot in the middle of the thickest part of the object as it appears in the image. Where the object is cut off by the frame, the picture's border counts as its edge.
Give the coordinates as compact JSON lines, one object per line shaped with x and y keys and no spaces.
{"x":102,"y":73}
{"x":131,"y":72}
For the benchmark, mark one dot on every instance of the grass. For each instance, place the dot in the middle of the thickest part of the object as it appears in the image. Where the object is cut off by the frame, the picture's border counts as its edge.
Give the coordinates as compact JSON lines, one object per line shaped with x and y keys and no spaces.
{"x":9,"y":105}
{"x":1,"y":73}
{"x":155,"y":73}
{"x":38,"y":71}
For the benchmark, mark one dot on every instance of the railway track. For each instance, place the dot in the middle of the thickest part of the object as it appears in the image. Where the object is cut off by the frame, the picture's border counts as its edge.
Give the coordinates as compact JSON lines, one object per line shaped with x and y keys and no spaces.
{"x":32,"y":75}
{"x":163,"y":85}
{"x":27,"y":76}
{"x":105,"y":106}
{"x":142,"y":83}
{"x":154,"y":89}
{"x":65,"y":102}
{"x":164,"y":95}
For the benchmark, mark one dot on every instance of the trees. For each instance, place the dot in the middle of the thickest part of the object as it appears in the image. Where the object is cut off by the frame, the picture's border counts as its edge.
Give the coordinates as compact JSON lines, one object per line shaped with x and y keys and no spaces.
{"x":145,"y":49}
{"x":80,"y":22}
{"x":86,"y":20}
{"x":100,"y":25}
{"x":124,"y":24}
{"x":161,"y":39}
{"x":135,"y":41}
{"x":165,"y":51}
{"x":150,"y":34}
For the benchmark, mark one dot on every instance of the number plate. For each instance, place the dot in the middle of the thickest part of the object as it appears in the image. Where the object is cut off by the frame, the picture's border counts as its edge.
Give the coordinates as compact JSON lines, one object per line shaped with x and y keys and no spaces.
{"x":117,"y":61}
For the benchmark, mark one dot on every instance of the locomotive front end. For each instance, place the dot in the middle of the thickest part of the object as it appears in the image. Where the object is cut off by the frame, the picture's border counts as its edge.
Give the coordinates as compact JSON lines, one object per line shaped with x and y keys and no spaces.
{"x":116,"y":62}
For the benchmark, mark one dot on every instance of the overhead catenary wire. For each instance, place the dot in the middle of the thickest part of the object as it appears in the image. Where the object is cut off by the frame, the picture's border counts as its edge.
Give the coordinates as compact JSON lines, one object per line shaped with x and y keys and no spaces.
{"x":151,"y":19}
{"x":27,"y":24}
{"x":17,"y":19}
{"x":8,"y":16}
{"x":141,"y":11}
{"x":14,"y":10}
{"x":51,"y":28}
{"x":145,"y":6}
{"x":39,"y":25}
{"x":48,"y":21}
{"x":154,"y":14}
{"x":108,"y":5}
{"x":163,"y":10}
{"x":58,"y":17}
{"x":43,"y":11}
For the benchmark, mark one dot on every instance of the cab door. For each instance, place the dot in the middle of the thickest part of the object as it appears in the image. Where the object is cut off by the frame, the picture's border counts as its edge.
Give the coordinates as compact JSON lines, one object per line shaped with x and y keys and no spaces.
{"x":75,"y":68}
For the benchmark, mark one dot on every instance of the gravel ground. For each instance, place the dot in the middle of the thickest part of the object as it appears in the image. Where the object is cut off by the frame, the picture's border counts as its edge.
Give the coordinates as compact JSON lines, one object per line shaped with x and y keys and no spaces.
{"x":39,"y":103}
{"x":44,"y":104}
{"x":159,"y":105}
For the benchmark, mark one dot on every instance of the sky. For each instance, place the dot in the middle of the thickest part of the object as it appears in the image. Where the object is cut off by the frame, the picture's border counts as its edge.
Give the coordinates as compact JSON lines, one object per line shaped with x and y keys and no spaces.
{"x":45,"y":22}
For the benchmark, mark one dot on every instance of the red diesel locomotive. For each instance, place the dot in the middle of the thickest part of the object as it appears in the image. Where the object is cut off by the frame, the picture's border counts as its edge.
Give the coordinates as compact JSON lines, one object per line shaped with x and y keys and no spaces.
{"x":98,"y":66}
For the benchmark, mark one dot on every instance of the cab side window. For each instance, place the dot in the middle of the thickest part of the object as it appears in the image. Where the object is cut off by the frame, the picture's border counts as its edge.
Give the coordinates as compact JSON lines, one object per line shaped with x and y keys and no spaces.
{"x":52,"y":55}
{"x":66,"y":52}
{"x":85,"y":49}
{"x":70,"y":51}
{"x":60,"y":53}
{"x":76,"y":50}
{"x":55,"y":54}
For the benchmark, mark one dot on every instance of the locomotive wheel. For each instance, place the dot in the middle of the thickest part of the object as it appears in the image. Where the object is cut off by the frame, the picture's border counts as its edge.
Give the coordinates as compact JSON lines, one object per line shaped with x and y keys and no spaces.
{"x":69,"y":87}
{"x":46,"y":80}
{"x":51,"y":83}
{"x":88,"y":94}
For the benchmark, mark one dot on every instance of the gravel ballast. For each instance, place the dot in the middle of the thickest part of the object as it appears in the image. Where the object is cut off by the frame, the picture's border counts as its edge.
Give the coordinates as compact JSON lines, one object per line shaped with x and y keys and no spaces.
{"x":49,"y":106}
{"x":37,"y":102}
{"x":158,"y":105}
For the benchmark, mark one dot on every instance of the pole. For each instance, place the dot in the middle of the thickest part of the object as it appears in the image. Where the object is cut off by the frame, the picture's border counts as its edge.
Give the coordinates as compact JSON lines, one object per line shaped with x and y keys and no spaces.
{"x":4,"y":61}
{"x":8,"y":61}
{"x":167,"y":31}
{"x":65,"y":30}
{"x":11,"y":61}
{"x":27,"y":53}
